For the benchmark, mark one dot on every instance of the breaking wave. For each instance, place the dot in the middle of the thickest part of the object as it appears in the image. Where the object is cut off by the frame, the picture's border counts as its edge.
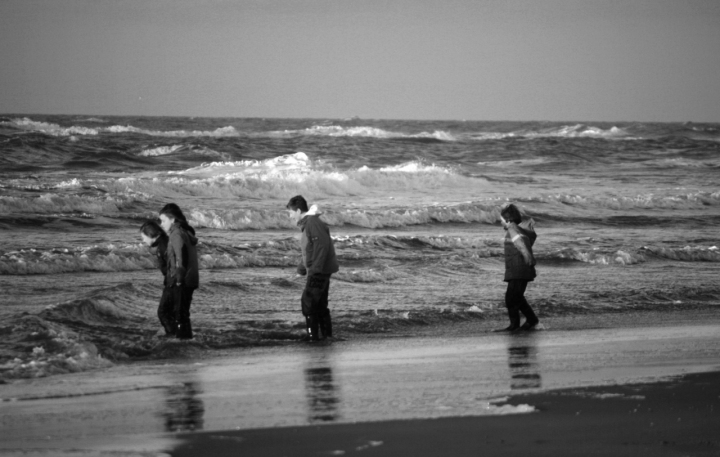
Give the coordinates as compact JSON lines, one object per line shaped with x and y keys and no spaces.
{"x":48,"y":128}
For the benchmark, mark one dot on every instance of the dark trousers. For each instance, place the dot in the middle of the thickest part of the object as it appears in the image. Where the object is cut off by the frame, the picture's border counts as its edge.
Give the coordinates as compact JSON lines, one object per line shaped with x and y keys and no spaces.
{"x":166,"y":312}
{"x":314,"y":303}
{"x":182,"y":298}
{"x":516,"y":303}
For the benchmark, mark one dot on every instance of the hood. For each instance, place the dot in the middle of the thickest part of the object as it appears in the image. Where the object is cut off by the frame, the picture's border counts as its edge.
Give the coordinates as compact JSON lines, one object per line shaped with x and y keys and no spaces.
{"x":528,"y":227}
{"x":189,"y":231}
{"x":313,"y":211}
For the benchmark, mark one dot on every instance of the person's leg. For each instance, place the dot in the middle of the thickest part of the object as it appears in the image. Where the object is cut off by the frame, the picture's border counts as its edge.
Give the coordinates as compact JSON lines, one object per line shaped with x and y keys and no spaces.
{"x":531,"y":320}
{"x":182,"y":307}
{"x":311,"y":297}
{"x":513,"y":296}
{"x":324,"y":311}
{"x":166,"y":312}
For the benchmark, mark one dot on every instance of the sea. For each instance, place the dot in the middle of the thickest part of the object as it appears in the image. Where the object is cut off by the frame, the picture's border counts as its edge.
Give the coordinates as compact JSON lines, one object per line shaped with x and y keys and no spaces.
{"x":626,"y":213}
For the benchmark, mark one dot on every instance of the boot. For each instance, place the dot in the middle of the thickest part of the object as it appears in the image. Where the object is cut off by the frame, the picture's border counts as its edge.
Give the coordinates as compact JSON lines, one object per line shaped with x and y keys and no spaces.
{"x":311,"y":325}
{"x":326,"y":325}
{"x":531,"y":320}
{"x":514,"y":316}
{"x":185,"y":331}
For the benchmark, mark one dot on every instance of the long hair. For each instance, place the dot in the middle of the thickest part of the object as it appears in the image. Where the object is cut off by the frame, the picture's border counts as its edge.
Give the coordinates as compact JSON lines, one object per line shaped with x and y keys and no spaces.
{"x":174,"y":211}
{"x":171,"y":209}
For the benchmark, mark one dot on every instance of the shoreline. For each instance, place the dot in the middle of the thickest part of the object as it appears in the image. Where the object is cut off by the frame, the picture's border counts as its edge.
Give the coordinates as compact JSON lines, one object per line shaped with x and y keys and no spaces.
{"x":672,"y":417}
{"x":359,"y":384}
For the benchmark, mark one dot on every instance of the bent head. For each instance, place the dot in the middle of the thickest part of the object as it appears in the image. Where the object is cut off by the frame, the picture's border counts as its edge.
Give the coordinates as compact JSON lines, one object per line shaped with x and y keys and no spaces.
{"x":297,"y":205}
{"x":511,"y":214}
{"x":150,"y":231}
{"x":169,"y":215}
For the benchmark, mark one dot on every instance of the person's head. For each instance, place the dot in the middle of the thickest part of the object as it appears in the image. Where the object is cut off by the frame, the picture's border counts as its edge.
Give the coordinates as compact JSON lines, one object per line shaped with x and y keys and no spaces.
{"x":511,"y":214}
{"x":170,"y":214}
{"x":175,"y":209}
{"x":297,"y":203}
{"x":150,"y":231}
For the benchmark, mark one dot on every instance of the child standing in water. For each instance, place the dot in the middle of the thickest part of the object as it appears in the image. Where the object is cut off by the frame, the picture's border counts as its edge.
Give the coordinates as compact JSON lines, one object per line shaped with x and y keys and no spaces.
{"x":318,"y":262}
{"x":182,"y":265}
{"x":157,"y":240}
{"x":519,"y":268}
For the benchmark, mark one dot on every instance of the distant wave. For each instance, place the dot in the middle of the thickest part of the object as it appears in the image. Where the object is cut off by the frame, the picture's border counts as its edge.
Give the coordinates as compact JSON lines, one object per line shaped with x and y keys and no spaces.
{"x":245,"y":219}
{"x":228,"y":131}
{"x":363,"y":131}
{"x":182,"y":149}
{"x":57,"y":130}
{"x":131,"y":257}
{"x":50,"y":203}
{"x":566,"y":131}
{"x":619,"y":202}
{"x":688,"y":253}
{"x":49,"y":128}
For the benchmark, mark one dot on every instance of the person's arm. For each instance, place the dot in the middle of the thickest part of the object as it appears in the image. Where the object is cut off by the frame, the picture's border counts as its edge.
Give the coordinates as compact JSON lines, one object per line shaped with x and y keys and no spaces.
{"x":318,"y":241}
{"x":519,"y":240}
{"x":162,"y":256}
{"x":177,"y":244}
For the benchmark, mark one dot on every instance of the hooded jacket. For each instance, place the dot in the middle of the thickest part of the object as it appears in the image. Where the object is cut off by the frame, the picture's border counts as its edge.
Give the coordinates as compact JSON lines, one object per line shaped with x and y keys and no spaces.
{"x":182,"y":262}
{"x":517,"y":239}
{"x":317,"y":247}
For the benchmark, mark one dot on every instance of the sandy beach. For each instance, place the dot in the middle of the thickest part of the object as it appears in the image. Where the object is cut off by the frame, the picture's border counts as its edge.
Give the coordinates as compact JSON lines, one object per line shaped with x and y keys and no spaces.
{"x":619,"y":390}
{"x":678,"y":417}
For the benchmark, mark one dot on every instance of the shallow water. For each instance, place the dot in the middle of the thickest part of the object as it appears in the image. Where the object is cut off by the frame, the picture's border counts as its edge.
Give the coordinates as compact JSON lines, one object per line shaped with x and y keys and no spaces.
{"x":626,"y":215}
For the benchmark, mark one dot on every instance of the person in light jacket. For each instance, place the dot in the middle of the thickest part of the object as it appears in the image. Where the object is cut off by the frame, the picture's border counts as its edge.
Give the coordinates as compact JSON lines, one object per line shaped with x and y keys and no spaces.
{"x":519,"y":268}
{"x":157,"y":240}
{"x":319,"y":263}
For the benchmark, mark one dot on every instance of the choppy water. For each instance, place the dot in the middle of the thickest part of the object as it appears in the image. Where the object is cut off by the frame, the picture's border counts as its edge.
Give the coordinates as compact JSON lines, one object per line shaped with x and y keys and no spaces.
{"x":626,"y":214}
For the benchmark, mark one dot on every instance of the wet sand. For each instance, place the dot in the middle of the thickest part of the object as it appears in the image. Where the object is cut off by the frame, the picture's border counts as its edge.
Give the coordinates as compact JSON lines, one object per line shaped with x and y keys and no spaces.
{"x":679,"y":417}
{"x":452,"y":395}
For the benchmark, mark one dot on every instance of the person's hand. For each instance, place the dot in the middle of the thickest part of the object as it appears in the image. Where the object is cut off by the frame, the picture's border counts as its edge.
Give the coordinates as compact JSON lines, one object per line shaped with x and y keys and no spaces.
{"x":530,"y":262}
{"x":504,"y":223}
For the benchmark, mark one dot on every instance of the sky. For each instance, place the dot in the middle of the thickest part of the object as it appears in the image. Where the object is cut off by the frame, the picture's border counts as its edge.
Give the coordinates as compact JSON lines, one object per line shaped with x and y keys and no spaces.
{"x":553,"y":60}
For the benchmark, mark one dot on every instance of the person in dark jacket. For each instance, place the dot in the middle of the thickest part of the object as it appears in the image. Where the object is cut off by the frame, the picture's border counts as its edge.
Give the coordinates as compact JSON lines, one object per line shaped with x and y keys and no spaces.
{"x":319,"y":263}
{"x":157,"y":240}
{"x":519,"y":268}
{"x":182,"y":265}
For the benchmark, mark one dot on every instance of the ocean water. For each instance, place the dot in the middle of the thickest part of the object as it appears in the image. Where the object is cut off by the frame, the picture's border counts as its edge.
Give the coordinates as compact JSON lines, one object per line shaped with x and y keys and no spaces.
{"x":627,"y":217}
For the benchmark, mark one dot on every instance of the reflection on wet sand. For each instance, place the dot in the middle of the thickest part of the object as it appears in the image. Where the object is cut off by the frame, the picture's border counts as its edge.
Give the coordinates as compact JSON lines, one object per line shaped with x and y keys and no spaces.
{"x":322,"y":394}
{"x":524,"y":368}
{"x":184,"y":409}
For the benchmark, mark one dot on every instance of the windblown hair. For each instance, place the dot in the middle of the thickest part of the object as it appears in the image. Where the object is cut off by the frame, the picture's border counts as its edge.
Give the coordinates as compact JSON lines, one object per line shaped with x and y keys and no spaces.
{"x":174,"y":211}
{"x":511,"y":214}
{"x":153,"y":230}
{"x":298,"y":202}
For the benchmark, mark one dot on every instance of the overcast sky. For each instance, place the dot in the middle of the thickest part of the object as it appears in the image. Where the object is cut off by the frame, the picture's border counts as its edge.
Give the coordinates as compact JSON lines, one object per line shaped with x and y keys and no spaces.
{"x":582,"y":60}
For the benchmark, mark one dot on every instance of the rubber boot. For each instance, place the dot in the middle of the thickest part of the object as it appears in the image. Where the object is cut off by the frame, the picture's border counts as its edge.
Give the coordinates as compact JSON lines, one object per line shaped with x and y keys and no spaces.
{"x":326,"y":324}
{"x":185,"y":331}
{"x":514,"y":316}
{"x":311,"y":325}
{"x":531,"y":320}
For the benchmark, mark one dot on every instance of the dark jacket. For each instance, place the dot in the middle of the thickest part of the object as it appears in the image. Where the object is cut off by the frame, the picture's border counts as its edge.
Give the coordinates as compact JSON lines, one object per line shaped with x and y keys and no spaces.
{"x":182,"y":262}
{"x":518,"y":239}
{"x":159,"y":248}
{"x":317,"y":247}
